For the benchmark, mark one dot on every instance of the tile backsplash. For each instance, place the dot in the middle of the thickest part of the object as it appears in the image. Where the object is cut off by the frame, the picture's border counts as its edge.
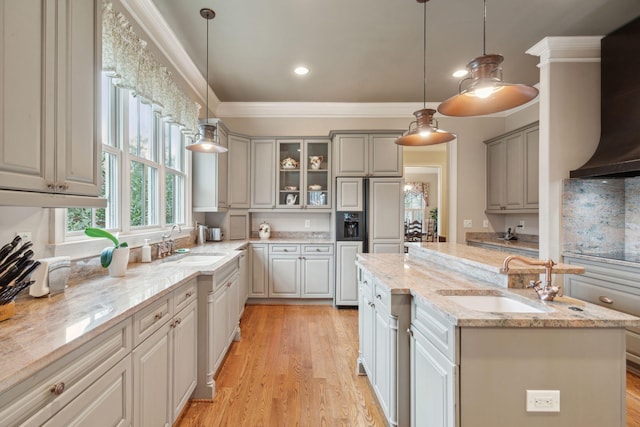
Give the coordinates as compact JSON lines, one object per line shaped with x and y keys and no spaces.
{"x":601,"y":216}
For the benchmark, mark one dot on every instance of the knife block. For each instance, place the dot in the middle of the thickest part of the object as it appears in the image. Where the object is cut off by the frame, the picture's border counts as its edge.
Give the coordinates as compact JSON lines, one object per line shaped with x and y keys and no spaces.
{"x":7,"y":310}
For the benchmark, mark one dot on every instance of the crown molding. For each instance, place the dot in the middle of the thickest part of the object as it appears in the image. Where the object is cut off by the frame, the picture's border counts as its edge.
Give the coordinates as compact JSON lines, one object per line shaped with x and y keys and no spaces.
{"x":146,"y":14}
{"x":567,"y":49}
{"x":321,"y":109}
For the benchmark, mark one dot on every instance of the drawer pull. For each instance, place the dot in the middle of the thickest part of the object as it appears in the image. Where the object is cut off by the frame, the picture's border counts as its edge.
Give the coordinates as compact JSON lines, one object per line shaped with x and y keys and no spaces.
{"x":286,"y":250}
{"x":410,"y":332}
{"x":318,"y":250}
{"x":158,"y":316}
{"x":57,"y":389}
{"x":379,"y":297}
{"x":188,"y":294}
{"x":605,"y":300}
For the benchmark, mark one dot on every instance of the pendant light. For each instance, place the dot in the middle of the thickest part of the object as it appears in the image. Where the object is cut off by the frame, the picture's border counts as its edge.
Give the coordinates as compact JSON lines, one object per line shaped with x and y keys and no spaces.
{"x":486,"y":92}
{"x":207,"y":133}
{"x":424,"y":130}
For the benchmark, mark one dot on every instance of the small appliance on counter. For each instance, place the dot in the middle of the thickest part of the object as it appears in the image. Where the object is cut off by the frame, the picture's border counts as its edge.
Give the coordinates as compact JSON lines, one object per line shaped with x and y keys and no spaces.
{"x":52,"y":276}
{"x":214,"y":234}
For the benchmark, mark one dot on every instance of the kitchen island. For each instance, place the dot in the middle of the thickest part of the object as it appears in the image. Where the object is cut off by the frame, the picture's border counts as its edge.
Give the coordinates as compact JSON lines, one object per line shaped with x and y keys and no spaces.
{"x":473,"y":365}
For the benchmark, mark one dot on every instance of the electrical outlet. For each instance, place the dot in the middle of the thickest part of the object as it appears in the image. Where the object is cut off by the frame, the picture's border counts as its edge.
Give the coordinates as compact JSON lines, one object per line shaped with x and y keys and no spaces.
{"x":307,"y":223}
{"x":543,"y":400}
{"x":467,"y":223}
{"x":521,"y":225}
{"x":24,"y":235}
{"x":485,"y":223}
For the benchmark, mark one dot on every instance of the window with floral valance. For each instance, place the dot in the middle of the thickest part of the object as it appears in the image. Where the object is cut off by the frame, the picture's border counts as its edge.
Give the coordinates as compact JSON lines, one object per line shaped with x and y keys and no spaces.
{"x":416,"y":200}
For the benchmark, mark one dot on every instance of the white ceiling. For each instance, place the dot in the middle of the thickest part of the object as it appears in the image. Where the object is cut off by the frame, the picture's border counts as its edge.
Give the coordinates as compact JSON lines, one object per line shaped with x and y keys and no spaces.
{"x":371,"y":50}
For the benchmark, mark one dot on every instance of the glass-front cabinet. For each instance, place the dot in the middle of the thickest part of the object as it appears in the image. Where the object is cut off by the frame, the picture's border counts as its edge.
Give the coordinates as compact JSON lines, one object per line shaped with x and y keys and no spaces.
{"x":304,"y":174}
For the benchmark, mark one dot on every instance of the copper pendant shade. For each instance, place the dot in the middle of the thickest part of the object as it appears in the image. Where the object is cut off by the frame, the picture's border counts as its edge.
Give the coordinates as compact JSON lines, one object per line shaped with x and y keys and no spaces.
{"x":424,"y":130}
{"x":207,"y":133}
{"x":486,"y":92}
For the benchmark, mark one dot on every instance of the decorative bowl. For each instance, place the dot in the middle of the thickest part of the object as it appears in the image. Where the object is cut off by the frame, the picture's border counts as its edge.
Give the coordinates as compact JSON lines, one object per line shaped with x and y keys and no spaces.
{"x":315,"y":187}
{"x":289,"y":163}
{"x":290,"y":188}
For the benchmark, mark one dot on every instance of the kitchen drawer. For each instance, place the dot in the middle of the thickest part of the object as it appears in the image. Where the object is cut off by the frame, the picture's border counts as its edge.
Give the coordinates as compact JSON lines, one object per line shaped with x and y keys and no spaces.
{"x":184,"y":295}
{"x":593,"y":291}
{"x":365,"y":283}
{"x":149,"y":320}
{"x":436,"y":328}
{"x":317,"y":249}
{"x":284,"y":249}
{"x":226,"y":273}
{"x":382,"y":295}
{"x":35,"y":400}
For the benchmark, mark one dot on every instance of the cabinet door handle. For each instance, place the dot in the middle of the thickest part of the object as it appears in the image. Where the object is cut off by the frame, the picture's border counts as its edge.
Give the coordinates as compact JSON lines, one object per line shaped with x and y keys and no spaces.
{"x":158,"y":316}
{"x":63,"y":187}
{"x":410,"y":332}
{"x":605,"y":300}
{"x":57,"y":389}
{"x":188,"y":294}
{"x":286,"y":250}
{"x":178,"y":321}
{"x":318,"y":250}
{"x":379,"y":297}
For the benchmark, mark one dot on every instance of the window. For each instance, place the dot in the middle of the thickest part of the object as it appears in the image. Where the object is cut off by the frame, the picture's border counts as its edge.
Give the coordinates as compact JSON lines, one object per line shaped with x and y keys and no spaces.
{"x":415,"y":201}
{"x":143,"y":154}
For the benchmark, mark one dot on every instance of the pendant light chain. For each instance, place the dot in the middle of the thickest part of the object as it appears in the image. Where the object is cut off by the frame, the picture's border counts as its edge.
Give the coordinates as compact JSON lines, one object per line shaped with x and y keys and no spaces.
{"x":424,"y":55}
{"x":206,"y":87}
{"x":484,"y":29}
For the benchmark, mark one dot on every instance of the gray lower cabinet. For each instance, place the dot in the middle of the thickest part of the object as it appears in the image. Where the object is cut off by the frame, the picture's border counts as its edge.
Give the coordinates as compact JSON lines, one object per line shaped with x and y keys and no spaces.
{"x":165,"y":362}
{"x":384,"y":348}
{"x":95,"y":379}
{"x":259,"y":258}
{"x":243,"y":279}
{"x":434,"y":371}
{"x":612,"y":286}
{"x":301,"y":271}
{"x":105,"y":403}
{"x":219,"y":299}
{"x":346,"y":273}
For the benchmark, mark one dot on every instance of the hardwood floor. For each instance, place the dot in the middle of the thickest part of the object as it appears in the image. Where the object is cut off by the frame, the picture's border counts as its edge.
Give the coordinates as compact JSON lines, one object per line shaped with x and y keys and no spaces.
{"x":295,"y":365}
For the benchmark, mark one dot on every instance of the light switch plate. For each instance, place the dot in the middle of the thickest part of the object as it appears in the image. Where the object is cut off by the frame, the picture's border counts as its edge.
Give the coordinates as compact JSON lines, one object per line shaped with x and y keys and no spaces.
{"x":467,"y":223}
{"x":543,"y":400}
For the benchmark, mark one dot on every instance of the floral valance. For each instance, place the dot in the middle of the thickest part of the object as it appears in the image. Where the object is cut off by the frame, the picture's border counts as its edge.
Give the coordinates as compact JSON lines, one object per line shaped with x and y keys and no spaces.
{"x":126,"y":58}
{"x":418,"y":189}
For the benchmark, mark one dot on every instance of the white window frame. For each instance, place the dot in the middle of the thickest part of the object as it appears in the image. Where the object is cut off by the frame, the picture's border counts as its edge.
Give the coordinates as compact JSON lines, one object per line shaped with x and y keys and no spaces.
{"x":76,"y":244}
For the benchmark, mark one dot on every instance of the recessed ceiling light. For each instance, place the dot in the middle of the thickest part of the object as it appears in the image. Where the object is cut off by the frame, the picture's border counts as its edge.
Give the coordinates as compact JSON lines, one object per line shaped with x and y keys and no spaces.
{"x":301,"y":71}
{"x":460,"y":73}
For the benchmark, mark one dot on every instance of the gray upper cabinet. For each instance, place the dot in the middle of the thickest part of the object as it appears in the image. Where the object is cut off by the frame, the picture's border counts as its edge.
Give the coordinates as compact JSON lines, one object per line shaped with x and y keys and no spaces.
{"x":210,"y":178}
{"x":367,"y":154}
{"x":263,"y":173}
{"x":50,"y":98}
{"x":239,"y":175}
{"x":512,"y":171}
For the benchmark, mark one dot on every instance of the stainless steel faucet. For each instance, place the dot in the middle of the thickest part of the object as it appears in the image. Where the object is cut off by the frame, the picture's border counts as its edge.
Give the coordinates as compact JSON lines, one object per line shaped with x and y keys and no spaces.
{"x":546,"y":293}
{"x":166,"y":246}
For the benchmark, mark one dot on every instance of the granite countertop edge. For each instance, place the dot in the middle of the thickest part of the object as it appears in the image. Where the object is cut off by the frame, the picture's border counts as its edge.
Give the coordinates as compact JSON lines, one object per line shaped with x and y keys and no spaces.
{"x":430,"y":285}
{"x":35,"y":336}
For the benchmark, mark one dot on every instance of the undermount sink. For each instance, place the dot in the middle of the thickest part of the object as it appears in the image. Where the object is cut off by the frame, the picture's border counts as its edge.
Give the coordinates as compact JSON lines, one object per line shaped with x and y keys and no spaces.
{"x":493,"y":304}
{"x":196,"y":260}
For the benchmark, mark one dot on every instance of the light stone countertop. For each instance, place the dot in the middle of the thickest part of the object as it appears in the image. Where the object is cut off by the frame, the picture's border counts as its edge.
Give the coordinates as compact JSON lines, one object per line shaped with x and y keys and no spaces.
{"x":519,"y":244}
{"x":45,"y":329}
{"x":292,"y":240}
{"x":431,"y":282}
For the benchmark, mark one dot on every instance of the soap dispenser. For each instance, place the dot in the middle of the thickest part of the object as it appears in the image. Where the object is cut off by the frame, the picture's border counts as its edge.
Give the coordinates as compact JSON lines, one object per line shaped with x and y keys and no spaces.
{"x":146,"y":252}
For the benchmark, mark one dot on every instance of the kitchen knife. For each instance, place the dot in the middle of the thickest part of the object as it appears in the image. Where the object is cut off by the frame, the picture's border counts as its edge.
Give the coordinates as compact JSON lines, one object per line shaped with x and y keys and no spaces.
{"x":28,"y":271}
{"x":6,"y":249}
{"x":9,"y":294}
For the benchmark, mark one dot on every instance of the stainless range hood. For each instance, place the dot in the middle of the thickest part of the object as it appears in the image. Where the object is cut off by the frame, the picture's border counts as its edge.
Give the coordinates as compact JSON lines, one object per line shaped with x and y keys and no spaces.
{"x":618,"y":152}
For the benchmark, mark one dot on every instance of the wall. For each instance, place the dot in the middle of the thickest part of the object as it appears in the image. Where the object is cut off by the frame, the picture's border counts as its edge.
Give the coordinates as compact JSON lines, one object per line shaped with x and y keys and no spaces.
{"x":34,"y":220}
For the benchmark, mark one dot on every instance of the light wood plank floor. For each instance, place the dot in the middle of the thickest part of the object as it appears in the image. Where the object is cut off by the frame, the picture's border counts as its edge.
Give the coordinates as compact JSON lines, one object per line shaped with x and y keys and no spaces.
{"x":295,"y":366}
